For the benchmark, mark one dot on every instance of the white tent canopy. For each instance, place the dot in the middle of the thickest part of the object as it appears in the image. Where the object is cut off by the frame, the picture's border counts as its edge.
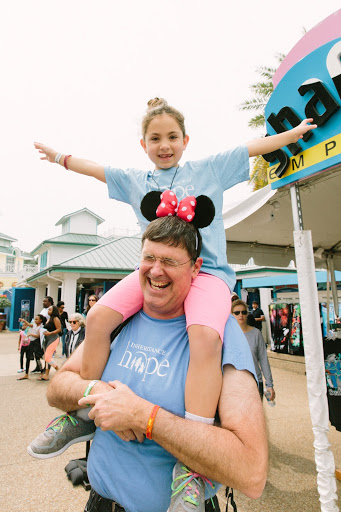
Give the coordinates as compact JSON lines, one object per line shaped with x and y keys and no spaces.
{"x":262,"y":227}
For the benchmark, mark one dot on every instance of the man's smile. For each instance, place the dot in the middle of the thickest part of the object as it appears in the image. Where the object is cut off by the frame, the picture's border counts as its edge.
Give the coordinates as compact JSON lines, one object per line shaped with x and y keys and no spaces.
{"x":158,"y":285}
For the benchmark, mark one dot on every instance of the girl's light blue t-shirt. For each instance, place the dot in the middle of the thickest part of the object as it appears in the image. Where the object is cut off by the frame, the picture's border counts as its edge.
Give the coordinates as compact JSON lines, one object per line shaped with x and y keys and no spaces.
{"x":210,"y":176}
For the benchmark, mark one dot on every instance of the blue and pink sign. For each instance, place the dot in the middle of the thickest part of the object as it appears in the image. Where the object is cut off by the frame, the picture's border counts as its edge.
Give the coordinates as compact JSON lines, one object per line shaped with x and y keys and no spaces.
{"x":308,"y":84}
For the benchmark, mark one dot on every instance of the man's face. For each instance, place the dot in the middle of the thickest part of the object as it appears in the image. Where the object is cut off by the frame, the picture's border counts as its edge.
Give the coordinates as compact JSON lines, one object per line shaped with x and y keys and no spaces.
{"x":46,"y":302}
{"x":165,"y":287}
{"x":254,"y":305}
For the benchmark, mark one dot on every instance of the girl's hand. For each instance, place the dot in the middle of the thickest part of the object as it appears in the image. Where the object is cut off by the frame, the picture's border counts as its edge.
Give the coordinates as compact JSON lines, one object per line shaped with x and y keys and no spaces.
{"x":47,"y":333}
{"x":302,"y":128}
{"x":48,"y":153}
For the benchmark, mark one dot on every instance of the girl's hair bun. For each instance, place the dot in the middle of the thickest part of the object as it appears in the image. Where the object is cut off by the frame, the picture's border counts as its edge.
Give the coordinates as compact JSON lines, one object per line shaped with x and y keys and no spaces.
{"x":156,"y":102}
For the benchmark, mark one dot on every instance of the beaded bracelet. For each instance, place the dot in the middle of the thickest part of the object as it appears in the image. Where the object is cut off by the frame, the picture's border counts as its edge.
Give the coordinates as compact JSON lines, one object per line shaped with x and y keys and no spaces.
{"x":65,"y":161}
{"x":151,"y":421}
{"x":89,"y":388}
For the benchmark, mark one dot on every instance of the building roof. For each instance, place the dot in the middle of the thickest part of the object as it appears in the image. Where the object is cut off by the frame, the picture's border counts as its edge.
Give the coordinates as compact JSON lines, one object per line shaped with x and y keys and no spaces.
{"x":6,"y":237}
{"x":73,"y":239}
{"x":115,"y":256}
{"x":63,"y":219}
{"x":121,"y":254}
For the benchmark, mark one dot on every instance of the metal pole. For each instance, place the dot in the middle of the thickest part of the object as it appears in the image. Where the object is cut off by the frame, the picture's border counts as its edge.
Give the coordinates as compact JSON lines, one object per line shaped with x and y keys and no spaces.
{"x":314,"y":359}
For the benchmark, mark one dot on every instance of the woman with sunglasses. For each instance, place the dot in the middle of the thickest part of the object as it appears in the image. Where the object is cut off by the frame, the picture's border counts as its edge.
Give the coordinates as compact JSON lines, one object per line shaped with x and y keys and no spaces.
{"x":91,"y":302}
{"x":257,"y":347}
{"x":76,"y":335}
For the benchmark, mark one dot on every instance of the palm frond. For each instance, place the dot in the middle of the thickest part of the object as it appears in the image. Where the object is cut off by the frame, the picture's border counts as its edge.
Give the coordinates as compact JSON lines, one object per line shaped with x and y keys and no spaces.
{"x":257,"y":121}
{"x":259,"y":173}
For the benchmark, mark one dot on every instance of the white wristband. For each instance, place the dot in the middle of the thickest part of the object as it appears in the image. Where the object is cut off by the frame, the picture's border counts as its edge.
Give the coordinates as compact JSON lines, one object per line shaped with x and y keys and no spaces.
{"x":58,"y":157}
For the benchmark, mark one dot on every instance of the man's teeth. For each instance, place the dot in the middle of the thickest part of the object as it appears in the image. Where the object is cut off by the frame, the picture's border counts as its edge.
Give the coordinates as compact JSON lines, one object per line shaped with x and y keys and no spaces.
{"x":159,"y":285}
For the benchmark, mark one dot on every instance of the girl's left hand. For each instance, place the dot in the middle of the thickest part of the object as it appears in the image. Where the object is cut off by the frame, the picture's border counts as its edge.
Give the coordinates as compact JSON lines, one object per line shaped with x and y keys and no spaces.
{"x":303,"y":128}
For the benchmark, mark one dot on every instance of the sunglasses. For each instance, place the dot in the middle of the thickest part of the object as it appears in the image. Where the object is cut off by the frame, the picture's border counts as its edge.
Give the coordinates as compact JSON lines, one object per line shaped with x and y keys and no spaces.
{"x":73,"y":322}
{"x":244,"y":312}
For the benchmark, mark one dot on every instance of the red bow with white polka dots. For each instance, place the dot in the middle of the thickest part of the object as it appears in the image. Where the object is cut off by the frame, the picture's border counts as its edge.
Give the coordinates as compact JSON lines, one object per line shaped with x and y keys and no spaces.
{"x":169,"y":206}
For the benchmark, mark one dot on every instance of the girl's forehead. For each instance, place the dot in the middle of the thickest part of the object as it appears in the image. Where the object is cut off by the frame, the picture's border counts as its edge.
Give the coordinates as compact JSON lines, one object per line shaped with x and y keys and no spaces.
{"x":163,"y":122}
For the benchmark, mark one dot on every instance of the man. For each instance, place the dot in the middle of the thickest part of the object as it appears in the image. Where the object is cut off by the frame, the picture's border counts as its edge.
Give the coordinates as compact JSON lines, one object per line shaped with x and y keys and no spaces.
{"x":258,"y":315}
{"x":47,"y":302}
{"x":151,"y":357}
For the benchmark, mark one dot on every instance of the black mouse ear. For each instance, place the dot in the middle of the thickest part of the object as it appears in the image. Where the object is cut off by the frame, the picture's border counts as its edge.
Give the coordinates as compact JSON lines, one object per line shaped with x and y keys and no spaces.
{"x":204,"y":212}
{"x":149,"y":204}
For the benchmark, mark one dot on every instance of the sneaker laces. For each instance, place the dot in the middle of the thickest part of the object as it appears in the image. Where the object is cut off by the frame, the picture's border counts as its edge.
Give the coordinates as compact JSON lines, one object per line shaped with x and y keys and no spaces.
{"x":60,"y":421}
{"x":192,"y":491}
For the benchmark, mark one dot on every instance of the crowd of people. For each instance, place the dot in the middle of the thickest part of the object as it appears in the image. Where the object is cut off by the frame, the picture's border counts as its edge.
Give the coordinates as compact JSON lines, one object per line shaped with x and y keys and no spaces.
{"x":39,"y":339}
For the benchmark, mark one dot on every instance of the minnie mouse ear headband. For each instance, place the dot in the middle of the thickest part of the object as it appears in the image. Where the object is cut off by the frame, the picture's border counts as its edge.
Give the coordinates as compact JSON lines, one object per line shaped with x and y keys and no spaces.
{"x":199,"y":211}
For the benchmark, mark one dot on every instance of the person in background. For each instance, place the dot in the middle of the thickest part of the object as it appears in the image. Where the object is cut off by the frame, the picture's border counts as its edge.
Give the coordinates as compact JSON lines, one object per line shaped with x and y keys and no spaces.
{"x":51,"y":334}
{"x":257,"y":314}
{"x":47,"y":303}
{"x":234,"y":297}
{"x":91,"y":302}
{"x":257,"y":346}
{"x":63,"y":318}
{"x":34,"y":347}
{"x":23,"y":347}
{"x":76,"y":335}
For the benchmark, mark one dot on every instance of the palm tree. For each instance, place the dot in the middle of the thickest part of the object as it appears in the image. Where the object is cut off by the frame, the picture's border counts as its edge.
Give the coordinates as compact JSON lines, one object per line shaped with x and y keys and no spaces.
{"x":262,"y":92}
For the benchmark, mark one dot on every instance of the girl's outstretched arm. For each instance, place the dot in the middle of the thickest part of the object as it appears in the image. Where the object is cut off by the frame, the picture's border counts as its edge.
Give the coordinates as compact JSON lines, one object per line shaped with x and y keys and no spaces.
{"x":268,"y":144}
{"x":79,"y":165}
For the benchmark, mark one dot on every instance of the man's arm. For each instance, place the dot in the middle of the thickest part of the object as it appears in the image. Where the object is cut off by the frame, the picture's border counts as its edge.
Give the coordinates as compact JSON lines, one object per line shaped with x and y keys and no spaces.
{"x":235,"y":455}
{"x":67,"y":387}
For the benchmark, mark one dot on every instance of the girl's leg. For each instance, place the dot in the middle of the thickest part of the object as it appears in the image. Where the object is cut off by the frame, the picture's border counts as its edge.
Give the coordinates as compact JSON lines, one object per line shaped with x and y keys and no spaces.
{"x":119,"y":303}
{"x":207,"y":308}
{"x":48,"y":359}
{"x":22,"y":358}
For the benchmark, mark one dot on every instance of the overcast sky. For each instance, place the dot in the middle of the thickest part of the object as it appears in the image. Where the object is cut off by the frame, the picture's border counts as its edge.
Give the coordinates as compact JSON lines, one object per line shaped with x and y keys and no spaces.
{"x":77,"y":74}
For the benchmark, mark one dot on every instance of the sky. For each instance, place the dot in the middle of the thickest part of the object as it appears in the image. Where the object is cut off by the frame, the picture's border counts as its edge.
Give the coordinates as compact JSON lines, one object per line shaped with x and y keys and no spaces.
{"x":77,"y":75}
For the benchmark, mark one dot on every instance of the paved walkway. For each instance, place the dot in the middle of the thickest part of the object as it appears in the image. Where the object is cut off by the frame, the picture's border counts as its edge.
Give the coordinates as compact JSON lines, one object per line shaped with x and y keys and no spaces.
{"x":32,"y":485}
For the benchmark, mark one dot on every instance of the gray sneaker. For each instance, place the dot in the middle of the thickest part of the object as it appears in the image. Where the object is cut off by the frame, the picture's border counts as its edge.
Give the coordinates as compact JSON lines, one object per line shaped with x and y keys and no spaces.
{"x":61,"y":433}
{"x":188,"y":490}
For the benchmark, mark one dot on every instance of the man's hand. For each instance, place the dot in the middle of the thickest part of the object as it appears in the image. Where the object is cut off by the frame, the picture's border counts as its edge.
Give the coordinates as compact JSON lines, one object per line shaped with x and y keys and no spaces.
{"x":119,"y":410}
{"x":49,"y":154}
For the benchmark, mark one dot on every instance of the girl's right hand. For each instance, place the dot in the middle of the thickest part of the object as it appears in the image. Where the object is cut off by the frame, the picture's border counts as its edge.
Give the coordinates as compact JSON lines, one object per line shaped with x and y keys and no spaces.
{"x":48,"y":153}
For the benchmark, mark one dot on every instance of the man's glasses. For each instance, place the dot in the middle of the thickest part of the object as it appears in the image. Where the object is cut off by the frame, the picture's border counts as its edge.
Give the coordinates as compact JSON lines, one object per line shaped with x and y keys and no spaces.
{"x":150,"y":259}
{"x":243,"y":312}
{"x":73,"y":322}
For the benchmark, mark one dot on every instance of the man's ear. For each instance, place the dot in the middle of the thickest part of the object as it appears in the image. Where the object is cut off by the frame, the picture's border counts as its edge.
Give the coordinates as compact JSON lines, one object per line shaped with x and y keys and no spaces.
{"x":197,"y":267}
{"x":144,"y":145}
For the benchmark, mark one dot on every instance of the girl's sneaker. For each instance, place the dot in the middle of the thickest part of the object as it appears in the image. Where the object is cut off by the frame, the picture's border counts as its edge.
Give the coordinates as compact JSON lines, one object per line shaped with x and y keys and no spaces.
{"x":61,"y":433}
{"x":188,"y":490}
{"x":21,"y":370}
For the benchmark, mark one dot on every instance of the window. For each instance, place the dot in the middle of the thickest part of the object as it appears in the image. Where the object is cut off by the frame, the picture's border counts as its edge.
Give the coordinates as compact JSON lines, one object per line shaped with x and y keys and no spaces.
{"x":43,"y":260}
{"x":10,"y":264}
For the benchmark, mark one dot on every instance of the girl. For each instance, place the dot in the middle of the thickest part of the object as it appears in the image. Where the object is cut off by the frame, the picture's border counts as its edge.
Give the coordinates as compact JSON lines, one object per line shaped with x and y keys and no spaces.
{"x":24,"y":348}
{"x":164,"y":139}
{"x":34,"y":347}
{"x":51,"y":334}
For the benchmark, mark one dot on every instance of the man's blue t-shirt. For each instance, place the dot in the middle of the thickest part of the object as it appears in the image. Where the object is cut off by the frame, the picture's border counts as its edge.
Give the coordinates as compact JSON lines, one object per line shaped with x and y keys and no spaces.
{"x":210,"y":176}
{"x":151,"y":356}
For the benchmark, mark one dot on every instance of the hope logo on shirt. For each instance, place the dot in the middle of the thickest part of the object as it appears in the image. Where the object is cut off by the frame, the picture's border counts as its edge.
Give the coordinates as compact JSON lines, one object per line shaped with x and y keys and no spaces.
{"x":136,"y":360}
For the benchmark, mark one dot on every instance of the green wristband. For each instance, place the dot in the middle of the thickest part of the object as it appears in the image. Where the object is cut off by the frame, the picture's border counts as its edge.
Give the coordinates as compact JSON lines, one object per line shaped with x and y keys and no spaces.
{"x":89,"y":388}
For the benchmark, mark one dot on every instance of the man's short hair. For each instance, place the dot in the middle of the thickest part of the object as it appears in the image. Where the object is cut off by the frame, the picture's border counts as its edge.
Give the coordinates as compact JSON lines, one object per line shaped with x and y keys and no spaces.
{"x":255,"y":302}
{"x":50,"y":299}
{"x":175,"y":232}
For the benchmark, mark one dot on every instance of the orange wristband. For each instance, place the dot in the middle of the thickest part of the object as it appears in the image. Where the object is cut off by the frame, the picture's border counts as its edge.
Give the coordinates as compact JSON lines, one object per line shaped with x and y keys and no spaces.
{"x":151,"y":421}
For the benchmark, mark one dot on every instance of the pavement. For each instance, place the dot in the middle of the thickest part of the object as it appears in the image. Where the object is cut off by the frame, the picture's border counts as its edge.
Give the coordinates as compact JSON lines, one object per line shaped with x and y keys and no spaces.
{"x":31,"y":485}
